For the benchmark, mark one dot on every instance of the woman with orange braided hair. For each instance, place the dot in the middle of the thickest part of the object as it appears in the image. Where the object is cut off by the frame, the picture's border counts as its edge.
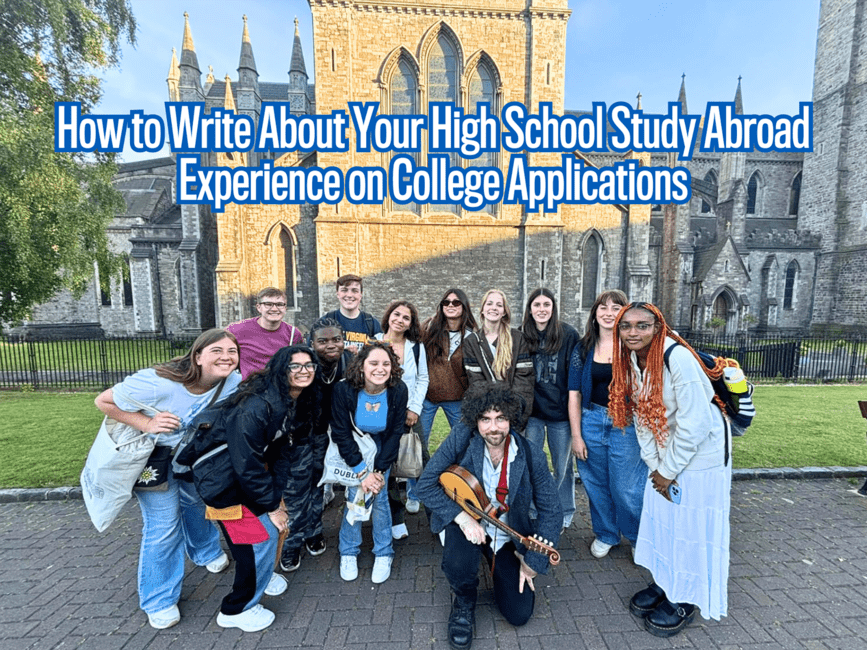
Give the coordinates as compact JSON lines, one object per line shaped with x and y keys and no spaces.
{"x":683,"y":537}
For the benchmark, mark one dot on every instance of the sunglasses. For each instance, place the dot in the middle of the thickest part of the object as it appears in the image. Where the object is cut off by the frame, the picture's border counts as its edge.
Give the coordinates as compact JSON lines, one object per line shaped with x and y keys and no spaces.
{"x":451,"y":303}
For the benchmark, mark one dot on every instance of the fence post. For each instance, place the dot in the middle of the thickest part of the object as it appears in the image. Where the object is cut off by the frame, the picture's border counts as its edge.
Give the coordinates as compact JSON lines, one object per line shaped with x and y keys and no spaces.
{"x":103,"y":357}
{"x":34,"y":376}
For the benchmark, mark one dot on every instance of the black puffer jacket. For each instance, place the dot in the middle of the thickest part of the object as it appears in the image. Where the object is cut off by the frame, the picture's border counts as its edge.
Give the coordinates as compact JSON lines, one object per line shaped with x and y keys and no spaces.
{"x":243,"y":456}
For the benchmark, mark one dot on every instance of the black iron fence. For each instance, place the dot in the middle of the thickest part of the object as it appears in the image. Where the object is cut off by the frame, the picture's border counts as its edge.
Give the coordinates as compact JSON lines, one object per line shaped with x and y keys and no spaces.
{"x":81,"y":363}
{"x":100,"y":363}
{"x":792,"y":358}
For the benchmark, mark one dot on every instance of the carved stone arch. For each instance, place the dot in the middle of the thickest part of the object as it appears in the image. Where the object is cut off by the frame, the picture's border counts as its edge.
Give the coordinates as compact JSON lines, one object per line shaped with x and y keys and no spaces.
{"x":281,"y":244}
{"x":480,"y":57}
{"x":768,"y":292}
{"x":724,"y":304}
{"x":390,"y":63}
{"x":592,"y":265}
{"x":793,"y":272}
{"x":708,"y":201}
{"x":795,"y":193}
{"x":426,"y":44}
{"x":755,"y":193}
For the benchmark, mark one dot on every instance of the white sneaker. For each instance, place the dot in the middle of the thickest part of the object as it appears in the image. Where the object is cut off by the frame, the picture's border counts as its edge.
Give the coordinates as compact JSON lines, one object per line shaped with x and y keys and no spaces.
{"x":276,"y":585}
{"x":219,"y":565}
{"x":327,"y":494}
{"x":412,"y":506}
{"x":381,"y":569}
{"x":252,"y":620}
{"x":399,"y":532}
{"x":166,"y":618}
{"x":349,"y":567}
{"x":600,"y":549}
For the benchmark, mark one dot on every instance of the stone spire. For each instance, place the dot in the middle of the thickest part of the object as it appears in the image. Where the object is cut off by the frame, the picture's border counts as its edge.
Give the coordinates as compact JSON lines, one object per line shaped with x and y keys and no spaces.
{"x":297,"y":54}
{"x":638,"y":104}
{"x":248,"y":76}
{"x":229,"y":98}
{"x":190,"y":83}
{"x":682,"y":95}
{"x":739,"y":102}
{"x":174,"y":77}
{"x":297,"y":94}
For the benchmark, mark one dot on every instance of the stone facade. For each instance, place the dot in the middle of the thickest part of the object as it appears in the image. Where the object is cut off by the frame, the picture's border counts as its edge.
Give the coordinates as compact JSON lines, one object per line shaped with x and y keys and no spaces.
{"x":742,"y":255}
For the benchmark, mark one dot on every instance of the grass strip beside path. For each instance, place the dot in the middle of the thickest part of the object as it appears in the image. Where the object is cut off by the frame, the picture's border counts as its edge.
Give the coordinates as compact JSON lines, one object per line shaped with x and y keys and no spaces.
{"x":45,"y":437}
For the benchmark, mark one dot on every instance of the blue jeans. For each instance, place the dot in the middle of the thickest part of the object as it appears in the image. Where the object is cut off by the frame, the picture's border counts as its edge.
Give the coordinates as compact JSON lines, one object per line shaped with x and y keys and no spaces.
{"x":613,"y":475}
{"x":426,"y":418}
{"x":173,"y":522}
{"x":350,"y":534}
{"x":560,"y":446}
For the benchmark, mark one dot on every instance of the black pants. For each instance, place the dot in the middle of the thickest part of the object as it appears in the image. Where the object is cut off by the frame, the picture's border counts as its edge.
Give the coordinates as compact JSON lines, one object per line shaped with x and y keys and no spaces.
{"x":244,"y":586}
{"x":461,"y":567}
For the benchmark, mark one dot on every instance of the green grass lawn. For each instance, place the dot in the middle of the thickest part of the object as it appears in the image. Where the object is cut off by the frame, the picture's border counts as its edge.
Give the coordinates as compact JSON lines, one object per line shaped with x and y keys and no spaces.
{"x":45,"y":437}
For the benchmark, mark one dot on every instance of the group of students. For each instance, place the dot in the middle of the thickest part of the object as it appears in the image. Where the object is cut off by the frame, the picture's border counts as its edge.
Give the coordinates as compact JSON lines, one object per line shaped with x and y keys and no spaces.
{"x":635,"y":423}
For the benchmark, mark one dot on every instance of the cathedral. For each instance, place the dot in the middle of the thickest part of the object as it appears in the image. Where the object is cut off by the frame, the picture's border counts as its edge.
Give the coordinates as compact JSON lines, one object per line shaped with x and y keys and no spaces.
{"x":770,"y":242}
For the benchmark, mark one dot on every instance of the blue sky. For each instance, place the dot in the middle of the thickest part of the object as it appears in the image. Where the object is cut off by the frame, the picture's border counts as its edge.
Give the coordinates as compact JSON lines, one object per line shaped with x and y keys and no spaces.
{"x":614,"y":50}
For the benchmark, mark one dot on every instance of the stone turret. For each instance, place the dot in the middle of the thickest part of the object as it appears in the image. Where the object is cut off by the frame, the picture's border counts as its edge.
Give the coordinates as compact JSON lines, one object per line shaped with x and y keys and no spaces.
{"x":298,"y":77}
{"x":174,"y":78}
{"x":732,"y":192}
{"x":248,"y":99}
{"x":209,"y":80}
{"x":190,"y":83}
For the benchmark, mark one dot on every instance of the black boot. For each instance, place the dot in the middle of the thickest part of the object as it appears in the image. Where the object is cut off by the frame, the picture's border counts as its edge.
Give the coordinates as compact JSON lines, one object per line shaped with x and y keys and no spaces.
{"x":669,"y":618}
{"x":461,"y":622}
{"x":863,"y":490}
{"x":646,"y":600}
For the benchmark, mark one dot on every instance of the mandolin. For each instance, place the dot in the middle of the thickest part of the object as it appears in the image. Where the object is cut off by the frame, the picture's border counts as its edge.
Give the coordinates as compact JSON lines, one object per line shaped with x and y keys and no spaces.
{"x":465,"y":490}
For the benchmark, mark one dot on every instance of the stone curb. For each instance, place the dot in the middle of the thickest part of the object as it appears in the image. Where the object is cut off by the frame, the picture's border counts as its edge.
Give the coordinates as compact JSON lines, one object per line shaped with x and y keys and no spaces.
{"x":18,"y":495}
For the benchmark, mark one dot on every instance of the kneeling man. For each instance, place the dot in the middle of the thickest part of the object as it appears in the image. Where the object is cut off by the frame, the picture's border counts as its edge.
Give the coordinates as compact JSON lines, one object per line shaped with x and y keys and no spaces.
{"x":515,"y":477}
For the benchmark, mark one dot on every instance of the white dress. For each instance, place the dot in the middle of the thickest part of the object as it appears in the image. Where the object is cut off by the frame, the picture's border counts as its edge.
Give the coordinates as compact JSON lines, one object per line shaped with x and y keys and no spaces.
{"x":686,"y":546}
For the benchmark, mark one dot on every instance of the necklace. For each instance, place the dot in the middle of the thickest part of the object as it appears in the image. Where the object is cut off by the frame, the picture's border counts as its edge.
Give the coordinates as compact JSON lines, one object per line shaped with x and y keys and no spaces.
{"x":330,"y":379}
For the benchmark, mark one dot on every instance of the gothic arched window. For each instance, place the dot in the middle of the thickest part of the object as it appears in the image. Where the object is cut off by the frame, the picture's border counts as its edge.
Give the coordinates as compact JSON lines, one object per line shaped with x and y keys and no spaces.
{"x":590,"y":265}
{"x":404,"y":101}
{"x":443,"y":86}
{"x":710,"y":177}
{"x":285,"y":265}
{"x":752,"y":193}
{"x":795,"y":194}
{"x":791,"y":281}
{"x":482,"y":90}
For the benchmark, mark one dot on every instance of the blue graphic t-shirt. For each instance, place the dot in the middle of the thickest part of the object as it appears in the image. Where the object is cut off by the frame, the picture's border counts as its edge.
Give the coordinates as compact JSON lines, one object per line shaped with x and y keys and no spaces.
{"x":371,"y":412}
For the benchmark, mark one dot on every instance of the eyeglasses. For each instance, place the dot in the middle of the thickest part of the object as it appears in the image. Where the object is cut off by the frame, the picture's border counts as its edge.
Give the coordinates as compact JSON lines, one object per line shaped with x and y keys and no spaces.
{"x":279,"y":305}
{"x":641,"y":327}
{"x":298,"y":367}
{"x":452,"y":303}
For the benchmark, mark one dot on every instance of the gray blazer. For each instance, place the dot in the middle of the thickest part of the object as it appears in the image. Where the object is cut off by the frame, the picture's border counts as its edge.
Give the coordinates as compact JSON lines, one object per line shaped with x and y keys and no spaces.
{"x":530,"y":482}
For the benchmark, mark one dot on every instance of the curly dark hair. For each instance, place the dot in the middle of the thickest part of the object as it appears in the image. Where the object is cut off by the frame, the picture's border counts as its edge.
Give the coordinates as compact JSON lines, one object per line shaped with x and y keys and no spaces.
{"x":482,"y":397}
{"x":355,"y":371}
{"x":276,"y":373}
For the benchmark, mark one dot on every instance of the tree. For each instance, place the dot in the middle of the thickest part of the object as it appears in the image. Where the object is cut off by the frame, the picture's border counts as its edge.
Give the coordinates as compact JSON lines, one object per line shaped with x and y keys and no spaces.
{"x":54,"y":207}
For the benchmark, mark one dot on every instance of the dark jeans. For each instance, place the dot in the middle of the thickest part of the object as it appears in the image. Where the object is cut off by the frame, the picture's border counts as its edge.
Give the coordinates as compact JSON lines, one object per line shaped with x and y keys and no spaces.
{"x":302,"y":497}
{"x":461,"y":568}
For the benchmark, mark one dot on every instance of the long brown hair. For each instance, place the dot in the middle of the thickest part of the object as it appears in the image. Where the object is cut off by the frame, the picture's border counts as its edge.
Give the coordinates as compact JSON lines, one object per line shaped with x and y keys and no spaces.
{"x":437,"y":326}
{"x":553,"y":330}
{"x":648,"y":404}
{"x":503,"y":357}
{"x":591,"y":333}
{"x":184,"y":369}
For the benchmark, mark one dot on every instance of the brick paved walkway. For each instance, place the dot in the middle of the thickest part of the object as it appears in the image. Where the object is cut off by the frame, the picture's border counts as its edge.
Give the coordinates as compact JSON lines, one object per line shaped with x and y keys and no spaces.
{"x":798,"y":580}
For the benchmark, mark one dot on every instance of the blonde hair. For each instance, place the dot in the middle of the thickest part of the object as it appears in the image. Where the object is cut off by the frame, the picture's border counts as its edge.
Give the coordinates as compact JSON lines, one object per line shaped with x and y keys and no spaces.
{"x":503,"y":357}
